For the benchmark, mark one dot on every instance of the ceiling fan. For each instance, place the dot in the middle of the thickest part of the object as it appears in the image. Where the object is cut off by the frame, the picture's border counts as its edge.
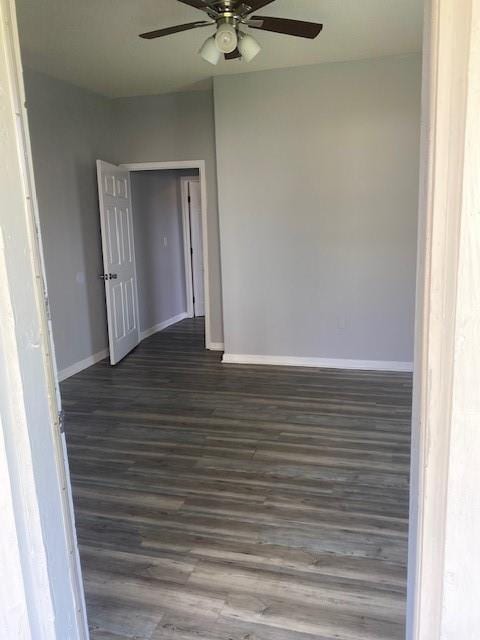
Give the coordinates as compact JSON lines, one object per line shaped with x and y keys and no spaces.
{"x":229,"y":16}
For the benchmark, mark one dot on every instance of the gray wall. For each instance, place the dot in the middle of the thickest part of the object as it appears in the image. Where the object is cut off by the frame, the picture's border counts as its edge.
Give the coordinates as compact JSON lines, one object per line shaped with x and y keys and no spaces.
{"x":319,"y":252}
{"x":157,"y":204}
{"x":70,"y":129}
{"x":179,"y":126}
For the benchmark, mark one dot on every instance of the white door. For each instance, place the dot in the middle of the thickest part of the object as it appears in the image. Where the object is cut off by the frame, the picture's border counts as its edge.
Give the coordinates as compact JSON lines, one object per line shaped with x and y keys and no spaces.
{"x":197,"y":248}
{"x":118,"y":259}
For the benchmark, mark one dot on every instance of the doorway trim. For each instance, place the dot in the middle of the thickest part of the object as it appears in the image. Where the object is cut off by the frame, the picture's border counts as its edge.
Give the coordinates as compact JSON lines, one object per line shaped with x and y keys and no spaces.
{"x":441,"y":350}
{"x":199,"y":165}
{"x":44,"y":598}
{"x":443,"y":556}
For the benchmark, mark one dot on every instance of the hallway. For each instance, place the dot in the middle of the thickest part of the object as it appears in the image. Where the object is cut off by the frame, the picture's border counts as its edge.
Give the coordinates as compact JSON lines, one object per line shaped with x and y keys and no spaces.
{"x":229,"y":502}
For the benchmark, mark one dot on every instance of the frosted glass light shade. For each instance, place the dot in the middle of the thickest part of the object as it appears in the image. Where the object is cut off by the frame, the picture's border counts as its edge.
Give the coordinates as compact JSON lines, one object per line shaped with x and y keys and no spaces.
{"x":209,"y":51}
{"x":226,"y":38}
{"x":248,"y":47}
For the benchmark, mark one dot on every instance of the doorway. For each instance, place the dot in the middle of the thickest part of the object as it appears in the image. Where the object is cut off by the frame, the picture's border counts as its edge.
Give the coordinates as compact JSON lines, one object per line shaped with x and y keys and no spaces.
{"x":154,"y":250}
{"x":192,"y":175}
{"x":433,"y":469}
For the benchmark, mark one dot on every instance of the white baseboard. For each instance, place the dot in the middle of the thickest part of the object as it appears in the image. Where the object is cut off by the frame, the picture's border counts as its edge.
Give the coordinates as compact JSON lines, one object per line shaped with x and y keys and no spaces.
{"x":321,"y":363}
{"x":162,"y":325}
{"x":216,"y":346}
{"x":70,"y":371}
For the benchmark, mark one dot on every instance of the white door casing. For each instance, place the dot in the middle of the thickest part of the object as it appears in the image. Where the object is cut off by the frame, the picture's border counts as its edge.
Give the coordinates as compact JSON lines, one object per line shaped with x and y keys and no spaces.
{"x":118,"y":259}
{"x":196,"y":237}
{"x":41,"y":596}
{"x":198,"y":165}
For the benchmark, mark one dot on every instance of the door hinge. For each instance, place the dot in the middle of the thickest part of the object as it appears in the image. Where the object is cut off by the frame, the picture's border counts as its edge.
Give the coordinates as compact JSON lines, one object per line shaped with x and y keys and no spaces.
{"x":193,"y":299}
{"x":61,"y":421}
{"x":191,"y":251}
{"x":189,"y":199}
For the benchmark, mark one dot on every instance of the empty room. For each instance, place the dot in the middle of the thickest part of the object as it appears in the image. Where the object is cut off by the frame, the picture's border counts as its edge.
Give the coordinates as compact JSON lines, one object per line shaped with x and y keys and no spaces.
{"x":228,"y":212}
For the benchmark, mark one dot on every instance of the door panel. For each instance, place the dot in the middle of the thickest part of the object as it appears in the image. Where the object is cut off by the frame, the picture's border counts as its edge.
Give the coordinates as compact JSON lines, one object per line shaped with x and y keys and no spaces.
{"x":126,"y":223}
{"x":117,"y":301}
{"x":118,"y":259}
{"x":109,"y":185}
{"x":113,"y":240}
{"x":122,"y":188}
{"x":129,"y":304}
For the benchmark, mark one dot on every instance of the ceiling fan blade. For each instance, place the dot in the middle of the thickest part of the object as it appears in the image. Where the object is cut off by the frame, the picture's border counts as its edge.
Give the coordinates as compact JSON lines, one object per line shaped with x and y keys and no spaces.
{"x":234,"y":55}
{"x":159,"y":33}
{"x":297,"y":28}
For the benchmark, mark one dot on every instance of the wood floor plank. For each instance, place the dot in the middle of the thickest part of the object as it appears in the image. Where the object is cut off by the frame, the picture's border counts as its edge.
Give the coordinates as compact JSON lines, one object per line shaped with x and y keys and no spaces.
{"x":230,"y":502}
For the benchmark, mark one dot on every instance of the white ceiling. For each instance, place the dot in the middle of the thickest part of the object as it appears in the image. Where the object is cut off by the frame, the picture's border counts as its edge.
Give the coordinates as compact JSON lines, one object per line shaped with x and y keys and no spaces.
{"x":94,"y":43}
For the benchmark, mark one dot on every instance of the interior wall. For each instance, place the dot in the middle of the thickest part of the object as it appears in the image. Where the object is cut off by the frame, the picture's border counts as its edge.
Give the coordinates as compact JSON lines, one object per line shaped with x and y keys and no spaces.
{"x":159,"y":249}
{"x":178,"y":126}
{"x":319,"y":250}
{"x":70,"y":129}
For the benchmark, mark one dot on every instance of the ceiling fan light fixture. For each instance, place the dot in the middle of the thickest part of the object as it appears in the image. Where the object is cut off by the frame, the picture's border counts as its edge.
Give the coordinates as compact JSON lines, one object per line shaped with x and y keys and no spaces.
{"x":228,"y":16}
{"x":226,"y":38}
{"x":209,"y":51}
{"x":248,"y":47}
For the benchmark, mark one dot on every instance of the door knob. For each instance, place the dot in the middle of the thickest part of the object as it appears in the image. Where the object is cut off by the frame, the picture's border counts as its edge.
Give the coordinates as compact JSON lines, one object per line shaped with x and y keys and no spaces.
{"x":108,"y":276}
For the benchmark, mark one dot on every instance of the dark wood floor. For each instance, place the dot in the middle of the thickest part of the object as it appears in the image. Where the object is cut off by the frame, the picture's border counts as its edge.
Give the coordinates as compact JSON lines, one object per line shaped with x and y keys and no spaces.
{"x":229,"y":502}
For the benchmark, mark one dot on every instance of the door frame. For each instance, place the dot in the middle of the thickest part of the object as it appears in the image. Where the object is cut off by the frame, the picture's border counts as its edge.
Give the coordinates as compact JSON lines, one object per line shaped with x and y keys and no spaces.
{"x":443,"y":554}
{"x":200,"y":166}
{"x":187,"y":231}
{"x":447,"y":347}
{"x":31,"y":499}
